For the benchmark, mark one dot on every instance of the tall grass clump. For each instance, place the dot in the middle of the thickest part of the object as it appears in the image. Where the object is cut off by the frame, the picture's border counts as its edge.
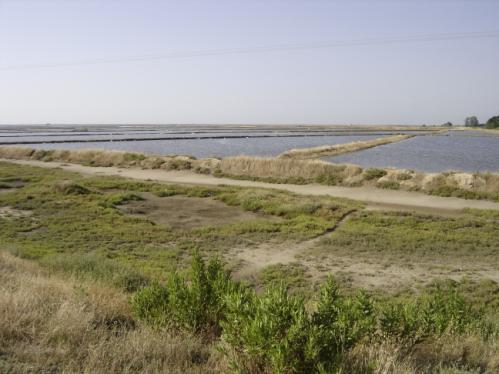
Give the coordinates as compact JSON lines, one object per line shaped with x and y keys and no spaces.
{"x":283,"y":169}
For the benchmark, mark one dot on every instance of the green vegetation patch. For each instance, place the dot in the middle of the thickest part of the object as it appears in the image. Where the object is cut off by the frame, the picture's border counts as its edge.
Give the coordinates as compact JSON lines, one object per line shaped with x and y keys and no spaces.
{"x":292,"y":277}
{"x":73,"y":215}
{"x":373,"y":173}
{"x":278,"y":332}
{"x":406,"y":235}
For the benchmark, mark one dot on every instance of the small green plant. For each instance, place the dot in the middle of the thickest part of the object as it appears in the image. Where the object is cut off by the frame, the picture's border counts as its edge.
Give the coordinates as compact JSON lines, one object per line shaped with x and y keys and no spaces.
{"x":329,"y":179}
{"x":116,"y":199}
{"x":391,"y":185}
{"x":454,"y":191}
{"x":95,"y":267}
{"x":404,"y":176}
{"x":70,"y":188}
{"x":373,"y":173}
{"x":133,"y":156}
{"x":166,"y":193}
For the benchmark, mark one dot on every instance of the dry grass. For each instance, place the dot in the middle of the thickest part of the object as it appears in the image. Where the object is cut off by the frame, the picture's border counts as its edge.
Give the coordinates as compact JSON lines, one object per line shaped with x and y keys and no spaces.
{"x":338,"y":149}
{"x":289,"y":169}
{"x":269,"y":167}
{"x":96,"y":157}
{"x":443,"y":355}
{"x":50,"y":324}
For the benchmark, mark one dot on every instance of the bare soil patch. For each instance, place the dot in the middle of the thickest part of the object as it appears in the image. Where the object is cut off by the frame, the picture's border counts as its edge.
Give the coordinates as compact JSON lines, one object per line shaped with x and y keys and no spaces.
{"x":367,"y":271}
{"x":180,"y":212}
{"x":8,"y":212}
{"x":11,"y":185}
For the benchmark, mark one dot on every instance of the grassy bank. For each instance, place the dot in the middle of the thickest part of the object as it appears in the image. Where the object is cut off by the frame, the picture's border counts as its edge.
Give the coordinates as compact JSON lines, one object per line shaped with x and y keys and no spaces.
{"x":338,"y":149}
{"x":282,"y":170}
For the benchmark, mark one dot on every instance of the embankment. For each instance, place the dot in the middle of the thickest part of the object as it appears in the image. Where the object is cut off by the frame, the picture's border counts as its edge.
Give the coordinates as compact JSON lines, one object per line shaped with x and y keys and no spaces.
{"x":338,"y":149}
{"x":281,"y":170}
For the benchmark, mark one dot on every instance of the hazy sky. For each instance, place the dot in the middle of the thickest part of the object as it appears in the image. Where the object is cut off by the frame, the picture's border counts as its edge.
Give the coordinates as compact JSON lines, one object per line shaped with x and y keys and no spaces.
{"x":407,"y":82}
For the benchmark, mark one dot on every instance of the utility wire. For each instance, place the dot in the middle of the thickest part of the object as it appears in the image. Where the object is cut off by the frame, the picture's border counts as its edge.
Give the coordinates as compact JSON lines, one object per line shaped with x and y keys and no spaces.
{"x":263,"y":49}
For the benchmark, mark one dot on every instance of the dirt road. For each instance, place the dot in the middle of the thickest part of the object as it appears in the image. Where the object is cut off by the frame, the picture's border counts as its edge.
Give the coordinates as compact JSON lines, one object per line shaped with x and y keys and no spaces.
{"x":376,"y":198}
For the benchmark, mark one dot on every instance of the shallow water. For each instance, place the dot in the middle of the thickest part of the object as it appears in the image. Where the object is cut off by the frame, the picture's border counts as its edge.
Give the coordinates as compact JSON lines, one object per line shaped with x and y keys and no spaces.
{"x":458,"y":151}
{"x":271,"y":146}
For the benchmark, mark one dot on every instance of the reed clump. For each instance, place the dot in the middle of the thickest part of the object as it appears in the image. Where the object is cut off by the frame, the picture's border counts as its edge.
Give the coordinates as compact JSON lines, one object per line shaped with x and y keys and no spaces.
{"x":285,"y":169}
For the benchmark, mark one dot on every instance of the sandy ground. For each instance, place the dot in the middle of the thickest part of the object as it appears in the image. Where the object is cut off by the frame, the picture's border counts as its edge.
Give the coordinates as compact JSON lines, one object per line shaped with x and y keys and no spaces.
{"x":183,"y":213}
{"x":380,"y":198}
{"x":366,"y":270}
{"x":8,"y":212}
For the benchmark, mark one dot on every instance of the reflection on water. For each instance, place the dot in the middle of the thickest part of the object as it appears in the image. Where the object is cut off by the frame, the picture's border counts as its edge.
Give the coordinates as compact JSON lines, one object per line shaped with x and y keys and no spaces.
{"x":213,"y":147}
{"x":460,"y":151}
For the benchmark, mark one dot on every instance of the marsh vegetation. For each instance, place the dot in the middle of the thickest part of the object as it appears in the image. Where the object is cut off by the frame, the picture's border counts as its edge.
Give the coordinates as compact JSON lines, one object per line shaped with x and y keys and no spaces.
{"x":484,"y":186}
{"x":178,"y":294}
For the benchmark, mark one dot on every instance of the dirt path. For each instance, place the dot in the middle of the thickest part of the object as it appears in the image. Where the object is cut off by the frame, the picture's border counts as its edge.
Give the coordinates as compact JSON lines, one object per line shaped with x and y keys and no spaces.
{"x":270,"y":253}
{"x":380,"y":198}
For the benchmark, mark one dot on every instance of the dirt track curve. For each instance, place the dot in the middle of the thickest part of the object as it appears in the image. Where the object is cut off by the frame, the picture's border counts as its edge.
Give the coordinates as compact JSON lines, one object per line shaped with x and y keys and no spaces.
{"x":374,"y":197}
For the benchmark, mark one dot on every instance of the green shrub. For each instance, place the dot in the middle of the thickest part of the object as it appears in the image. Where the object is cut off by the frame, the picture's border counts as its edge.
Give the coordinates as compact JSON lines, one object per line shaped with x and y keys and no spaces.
{"x":275,"y":332}
{"x":373,"y":173}
{"x":70,"y":188}
{"x":129,"y":156}
{"x":266,"y":333}
{"x":391,"y":185}
{"x":453,"y":191}
{"x":116,"y":199}
{"x":338,"y":324}
{"x":329,"y":179}
{"x":404,"y":176}
{"x":196,"y":305}
{"x":434,"y":314}
{"x":151,"y":304}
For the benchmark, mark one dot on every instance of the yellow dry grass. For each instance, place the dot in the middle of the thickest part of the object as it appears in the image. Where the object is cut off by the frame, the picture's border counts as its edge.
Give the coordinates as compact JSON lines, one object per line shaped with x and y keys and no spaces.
{"x":52,"y":324}
{"x":338,"y":149}
{"x":268,"y":167}
{"x":291,"y":169}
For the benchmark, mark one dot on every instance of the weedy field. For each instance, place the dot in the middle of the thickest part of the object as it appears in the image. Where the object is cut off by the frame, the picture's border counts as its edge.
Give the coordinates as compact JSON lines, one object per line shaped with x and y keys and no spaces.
{"x":228,"y":278}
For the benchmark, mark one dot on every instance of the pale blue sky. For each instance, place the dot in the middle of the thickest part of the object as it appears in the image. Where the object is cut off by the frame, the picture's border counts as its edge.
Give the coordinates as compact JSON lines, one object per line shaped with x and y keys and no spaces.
{"x":398,"y":83}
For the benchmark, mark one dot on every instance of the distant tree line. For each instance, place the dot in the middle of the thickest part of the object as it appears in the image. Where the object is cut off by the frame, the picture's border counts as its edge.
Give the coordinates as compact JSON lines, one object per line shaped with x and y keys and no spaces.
{"x":492,"y":123}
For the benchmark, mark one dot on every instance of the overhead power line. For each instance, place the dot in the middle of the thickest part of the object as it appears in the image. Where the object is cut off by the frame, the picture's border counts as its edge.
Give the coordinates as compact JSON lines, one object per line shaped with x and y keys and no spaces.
{"x":262,"y":49}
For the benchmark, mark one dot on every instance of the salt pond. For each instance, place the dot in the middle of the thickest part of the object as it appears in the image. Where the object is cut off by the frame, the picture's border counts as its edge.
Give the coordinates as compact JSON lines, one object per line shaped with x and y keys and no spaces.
{"x":457,"y":150}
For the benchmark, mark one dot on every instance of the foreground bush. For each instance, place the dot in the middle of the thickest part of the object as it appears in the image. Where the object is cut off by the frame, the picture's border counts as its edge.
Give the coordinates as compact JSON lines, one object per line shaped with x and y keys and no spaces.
{"x":277,"y":332}
{"x":195,"y":306}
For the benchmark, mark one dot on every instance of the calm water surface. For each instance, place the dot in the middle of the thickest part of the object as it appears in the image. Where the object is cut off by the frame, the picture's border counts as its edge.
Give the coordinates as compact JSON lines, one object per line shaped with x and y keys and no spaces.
{"x":213,"y":147}
{"x":470,"y":151}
